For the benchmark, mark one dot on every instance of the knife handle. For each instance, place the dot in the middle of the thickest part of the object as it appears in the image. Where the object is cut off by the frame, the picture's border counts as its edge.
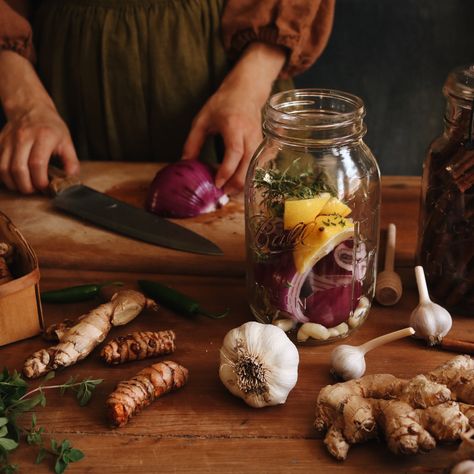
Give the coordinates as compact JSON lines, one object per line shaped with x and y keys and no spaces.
{"x":59,"y":181}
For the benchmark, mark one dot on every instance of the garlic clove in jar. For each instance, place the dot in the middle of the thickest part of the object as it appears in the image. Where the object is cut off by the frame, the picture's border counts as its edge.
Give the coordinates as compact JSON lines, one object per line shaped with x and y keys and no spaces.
{"x":429,"y":320}
{"x":259,"y":364}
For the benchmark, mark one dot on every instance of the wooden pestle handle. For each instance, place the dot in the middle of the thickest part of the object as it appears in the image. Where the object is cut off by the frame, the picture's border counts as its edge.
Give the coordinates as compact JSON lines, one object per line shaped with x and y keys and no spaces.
{"x":59,"y":181}
{"x":390,"y":249}
{"x":388,"y":290}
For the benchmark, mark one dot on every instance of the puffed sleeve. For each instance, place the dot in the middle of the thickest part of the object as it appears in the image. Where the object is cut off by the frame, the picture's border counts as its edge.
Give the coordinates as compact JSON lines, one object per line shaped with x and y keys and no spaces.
{"x":15,"y":29}
{"x":302,"y":27}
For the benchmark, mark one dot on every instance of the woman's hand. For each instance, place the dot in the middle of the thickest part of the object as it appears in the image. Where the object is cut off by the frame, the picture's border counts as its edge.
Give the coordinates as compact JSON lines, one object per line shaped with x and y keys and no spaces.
{"x":234,"y":112}
{"x":34,"y":130}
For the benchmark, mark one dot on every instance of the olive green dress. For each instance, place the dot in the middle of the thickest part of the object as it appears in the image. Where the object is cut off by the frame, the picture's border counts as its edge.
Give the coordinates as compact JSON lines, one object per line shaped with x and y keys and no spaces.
{"x":129,"y":76}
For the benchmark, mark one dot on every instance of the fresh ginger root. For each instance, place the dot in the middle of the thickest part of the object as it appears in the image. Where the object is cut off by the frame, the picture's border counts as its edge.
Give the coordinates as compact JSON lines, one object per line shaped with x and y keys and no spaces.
{"x":137,"y":346}
{"x":412,"y":414}
{"x":78,"y":341}
{"x":137,"y":393}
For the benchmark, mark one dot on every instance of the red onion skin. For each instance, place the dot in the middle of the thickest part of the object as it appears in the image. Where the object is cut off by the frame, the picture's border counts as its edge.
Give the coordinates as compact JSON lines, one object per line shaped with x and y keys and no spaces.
{"x":332,"y":307}
{"x":333,"y":295}
{"x":184,"y":189}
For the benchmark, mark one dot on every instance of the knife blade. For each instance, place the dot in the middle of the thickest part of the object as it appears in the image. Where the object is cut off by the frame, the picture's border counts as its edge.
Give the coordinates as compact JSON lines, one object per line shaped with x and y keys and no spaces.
{"x":105,"y":211}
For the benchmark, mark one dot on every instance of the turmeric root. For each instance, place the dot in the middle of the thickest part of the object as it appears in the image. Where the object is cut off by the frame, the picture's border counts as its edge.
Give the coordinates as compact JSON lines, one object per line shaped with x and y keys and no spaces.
{"x":138,"y":346}
{"x":5,"y":252}
{"x":91,"y":329}
{"x":413,"y":414}
{"x":133,"y":395}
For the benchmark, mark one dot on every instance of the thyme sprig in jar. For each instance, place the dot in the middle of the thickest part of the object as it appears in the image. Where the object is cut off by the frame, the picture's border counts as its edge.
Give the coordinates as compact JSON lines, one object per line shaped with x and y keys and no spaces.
{"x":312,"y":216}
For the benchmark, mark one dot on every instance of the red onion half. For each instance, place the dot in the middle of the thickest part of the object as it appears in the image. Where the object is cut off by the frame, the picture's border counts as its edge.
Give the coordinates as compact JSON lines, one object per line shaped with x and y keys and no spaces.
{"x":184,"y":189}
{"x":324,"y":294}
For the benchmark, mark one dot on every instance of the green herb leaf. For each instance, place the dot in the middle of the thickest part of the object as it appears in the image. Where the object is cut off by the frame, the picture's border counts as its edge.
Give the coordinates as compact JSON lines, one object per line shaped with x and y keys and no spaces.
{"x":294,"y":183}
{"x":60,"y":466}
{"x":8,"y":444}
{"x":49,"y":376}
{"x":75,"y":455}
{"x":41,"y":455}
{"x":8,"y":469}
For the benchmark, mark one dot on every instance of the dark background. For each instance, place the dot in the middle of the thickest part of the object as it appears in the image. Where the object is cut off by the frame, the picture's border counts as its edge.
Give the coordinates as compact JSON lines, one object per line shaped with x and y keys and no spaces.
{"x":395,"y":55}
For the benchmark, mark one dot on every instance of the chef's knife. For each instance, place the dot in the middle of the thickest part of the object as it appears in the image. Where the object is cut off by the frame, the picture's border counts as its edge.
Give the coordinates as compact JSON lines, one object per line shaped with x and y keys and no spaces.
{"x":75,"y":198}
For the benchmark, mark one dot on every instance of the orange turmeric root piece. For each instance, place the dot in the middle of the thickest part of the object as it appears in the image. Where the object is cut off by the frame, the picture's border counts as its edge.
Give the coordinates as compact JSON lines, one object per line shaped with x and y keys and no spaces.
{"x":133,"y":395}
{"x":137,"y":346}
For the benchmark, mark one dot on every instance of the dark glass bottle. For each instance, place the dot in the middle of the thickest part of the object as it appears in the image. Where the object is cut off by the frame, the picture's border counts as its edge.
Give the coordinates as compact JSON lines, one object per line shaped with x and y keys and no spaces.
{"x":446,"y":230}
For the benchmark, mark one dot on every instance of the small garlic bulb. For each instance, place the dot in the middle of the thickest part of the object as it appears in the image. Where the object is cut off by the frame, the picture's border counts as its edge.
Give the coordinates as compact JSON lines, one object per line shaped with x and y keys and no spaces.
{"x":259,"y":364}
{"x":348,"y":362}
{"x":429,"y":320}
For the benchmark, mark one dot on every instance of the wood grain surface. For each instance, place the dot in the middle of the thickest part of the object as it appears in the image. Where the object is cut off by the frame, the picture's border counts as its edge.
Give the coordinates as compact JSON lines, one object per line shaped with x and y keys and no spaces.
{"x":202,"y":427}
{"x":63,"y":241}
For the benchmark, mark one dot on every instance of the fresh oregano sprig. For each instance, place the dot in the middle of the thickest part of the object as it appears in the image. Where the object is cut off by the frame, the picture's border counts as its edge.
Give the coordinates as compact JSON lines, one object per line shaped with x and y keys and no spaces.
{"x":63,"y":452}
{"x":15,"y":400}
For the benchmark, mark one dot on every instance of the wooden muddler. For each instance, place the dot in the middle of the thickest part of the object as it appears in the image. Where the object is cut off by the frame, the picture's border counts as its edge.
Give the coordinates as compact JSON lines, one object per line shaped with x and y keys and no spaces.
{"x":388,"y":289}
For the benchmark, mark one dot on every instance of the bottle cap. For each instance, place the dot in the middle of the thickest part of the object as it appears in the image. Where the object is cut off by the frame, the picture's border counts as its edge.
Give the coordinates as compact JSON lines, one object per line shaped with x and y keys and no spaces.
{"x":460,"y":83}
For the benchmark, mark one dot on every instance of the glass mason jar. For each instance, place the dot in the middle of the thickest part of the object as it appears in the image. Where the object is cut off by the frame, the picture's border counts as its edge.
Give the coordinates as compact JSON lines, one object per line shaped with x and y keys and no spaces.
{"x":446,"y":227}
{"x":312,"y":203}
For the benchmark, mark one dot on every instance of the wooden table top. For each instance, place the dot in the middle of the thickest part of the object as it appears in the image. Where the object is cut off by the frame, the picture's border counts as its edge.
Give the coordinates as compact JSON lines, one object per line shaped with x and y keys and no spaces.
{"x":202,"y":427}
{"x":63,"y":241}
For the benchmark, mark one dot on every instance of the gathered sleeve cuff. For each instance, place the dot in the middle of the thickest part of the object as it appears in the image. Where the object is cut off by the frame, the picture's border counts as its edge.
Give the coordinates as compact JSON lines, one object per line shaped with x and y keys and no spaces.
{"x":302,"y":27}
{"x":15,"y":29}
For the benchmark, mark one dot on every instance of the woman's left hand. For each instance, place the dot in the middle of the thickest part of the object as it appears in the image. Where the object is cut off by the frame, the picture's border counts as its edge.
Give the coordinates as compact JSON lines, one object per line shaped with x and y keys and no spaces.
{"x":234,"y":112}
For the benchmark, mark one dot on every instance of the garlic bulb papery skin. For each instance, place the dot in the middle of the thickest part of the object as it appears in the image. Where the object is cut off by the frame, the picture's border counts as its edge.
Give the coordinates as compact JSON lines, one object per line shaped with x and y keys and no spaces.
{"x":259,"y":364}
{"x":429,"y":320}
{"x":348,"y":362}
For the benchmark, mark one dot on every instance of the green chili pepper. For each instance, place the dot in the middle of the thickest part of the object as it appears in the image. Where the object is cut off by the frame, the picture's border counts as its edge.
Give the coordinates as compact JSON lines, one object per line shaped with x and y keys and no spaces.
{"x":175,"y":300}
{"x":77,"y":293}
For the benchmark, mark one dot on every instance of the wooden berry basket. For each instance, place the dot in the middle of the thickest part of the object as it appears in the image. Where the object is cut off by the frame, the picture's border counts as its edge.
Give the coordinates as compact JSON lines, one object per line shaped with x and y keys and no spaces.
{"x":20,"y":305}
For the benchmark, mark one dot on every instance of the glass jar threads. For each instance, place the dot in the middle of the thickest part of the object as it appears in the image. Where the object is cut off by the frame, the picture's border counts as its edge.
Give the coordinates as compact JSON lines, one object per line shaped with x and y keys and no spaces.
{"x":446,"y":229}
{"x":312,"y":203}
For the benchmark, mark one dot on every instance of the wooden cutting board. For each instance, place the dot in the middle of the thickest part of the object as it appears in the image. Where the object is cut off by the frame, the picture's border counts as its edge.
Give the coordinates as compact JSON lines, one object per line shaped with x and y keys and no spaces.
{"x":63,"y":241}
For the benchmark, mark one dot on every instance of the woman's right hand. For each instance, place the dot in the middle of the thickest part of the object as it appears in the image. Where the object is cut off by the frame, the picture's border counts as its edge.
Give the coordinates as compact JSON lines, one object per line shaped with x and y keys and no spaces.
{"x":27,"y":142}
{"x":34,"y":130}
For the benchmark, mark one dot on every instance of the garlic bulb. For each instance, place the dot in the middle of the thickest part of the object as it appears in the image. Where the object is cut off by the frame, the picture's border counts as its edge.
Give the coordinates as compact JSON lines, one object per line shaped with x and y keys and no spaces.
{"x":429,"y":320}
{"x":259,"y":364}
{"x":348,"y":362}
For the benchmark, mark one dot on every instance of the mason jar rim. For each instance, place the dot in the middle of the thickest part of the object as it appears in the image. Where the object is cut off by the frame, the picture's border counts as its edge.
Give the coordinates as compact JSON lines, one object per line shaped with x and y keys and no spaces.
{"x":314,"y":117}
{"x":308,"y":96}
